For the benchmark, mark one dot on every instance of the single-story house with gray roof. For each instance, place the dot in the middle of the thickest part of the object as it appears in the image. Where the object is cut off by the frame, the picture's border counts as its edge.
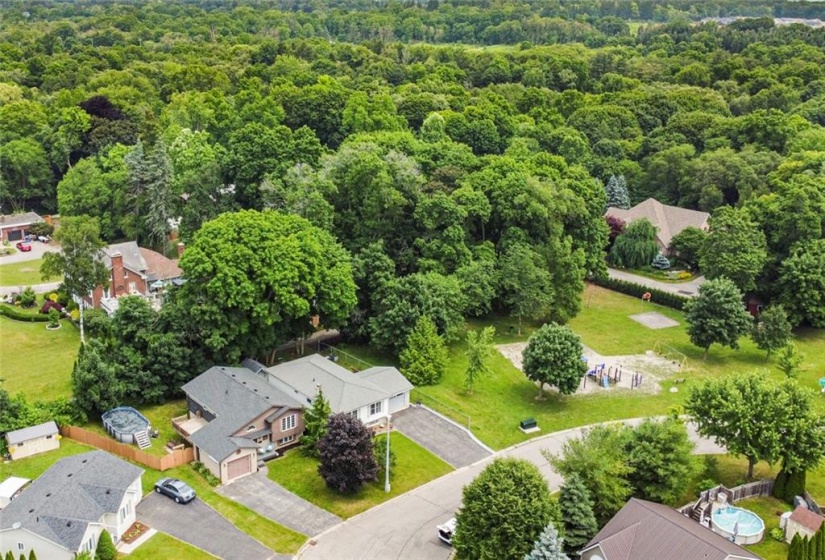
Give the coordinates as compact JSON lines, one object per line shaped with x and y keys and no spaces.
{"x":369,"y":395}
{"x":234,"y":417}
{"x":15,"y":227}
{"x":33,"y":440}
{"x":64,"y":511}
{"x":669,"y":221}
{"x":644,"y":530}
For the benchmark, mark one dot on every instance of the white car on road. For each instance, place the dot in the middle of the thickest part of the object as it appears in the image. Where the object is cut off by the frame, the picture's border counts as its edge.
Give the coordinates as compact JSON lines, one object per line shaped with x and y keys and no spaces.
{"x":446,"y":530}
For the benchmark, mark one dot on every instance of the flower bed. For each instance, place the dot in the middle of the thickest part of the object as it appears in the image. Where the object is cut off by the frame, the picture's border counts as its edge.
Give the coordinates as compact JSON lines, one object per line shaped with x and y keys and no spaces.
{"x":134,"y":532}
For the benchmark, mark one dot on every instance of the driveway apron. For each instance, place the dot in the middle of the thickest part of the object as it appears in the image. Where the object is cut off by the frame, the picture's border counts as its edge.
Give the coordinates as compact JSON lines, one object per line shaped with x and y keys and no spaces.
{"x":273,"y":501}
{"x":199,"y":525}
{"x":440,"y":436}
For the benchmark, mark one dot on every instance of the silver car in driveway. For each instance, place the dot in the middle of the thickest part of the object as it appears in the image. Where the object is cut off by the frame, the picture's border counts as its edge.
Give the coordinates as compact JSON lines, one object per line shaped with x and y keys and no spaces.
{"x":176,"y":489}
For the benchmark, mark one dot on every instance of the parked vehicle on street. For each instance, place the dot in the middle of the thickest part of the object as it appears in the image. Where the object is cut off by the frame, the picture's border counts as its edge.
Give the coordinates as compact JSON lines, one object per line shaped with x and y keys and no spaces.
{"x":446,"y":530}
{"x":24,"y":246}
{"x":176,"y":489}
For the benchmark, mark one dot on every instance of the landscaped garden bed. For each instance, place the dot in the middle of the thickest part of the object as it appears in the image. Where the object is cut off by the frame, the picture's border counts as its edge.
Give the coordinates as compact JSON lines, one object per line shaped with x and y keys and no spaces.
{"x":134,"y":532}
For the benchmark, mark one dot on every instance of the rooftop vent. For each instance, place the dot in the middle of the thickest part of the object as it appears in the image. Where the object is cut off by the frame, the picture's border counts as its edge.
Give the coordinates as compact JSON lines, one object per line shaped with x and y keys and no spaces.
{"x":69,"y":475}
{"x":31,"y":511}
{"x":49,"y":495}
{"x":85,"y":461}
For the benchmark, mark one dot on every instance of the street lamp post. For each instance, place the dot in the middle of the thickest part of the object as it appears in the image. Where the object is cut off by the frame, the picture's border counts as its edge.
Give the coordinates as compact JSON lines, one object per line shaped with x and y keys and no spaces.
{"x":387,"y":458}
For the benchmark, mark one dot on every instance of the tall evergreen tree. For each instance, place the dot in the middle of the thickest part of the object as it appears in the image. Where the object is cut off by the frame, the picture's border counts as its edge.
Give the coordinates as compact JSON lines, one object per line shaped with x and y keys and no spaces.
{"x":617,"y":194}
{"x":577,"y":513}
{"x":105,"y":547}
{"x":425,"y":357}
{"x":548,"y":546}
{"x":315,"y":424}
{"x":159,"y":195}
{"x":479,"y":349}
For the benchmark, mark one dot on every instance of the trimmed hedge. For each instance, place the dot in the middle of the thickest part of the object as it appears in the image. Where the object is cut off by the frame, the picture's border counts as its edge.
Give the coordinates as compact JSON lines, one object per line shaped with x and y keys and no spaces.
{"x":16,"y":315}
{"x":637,"y":290}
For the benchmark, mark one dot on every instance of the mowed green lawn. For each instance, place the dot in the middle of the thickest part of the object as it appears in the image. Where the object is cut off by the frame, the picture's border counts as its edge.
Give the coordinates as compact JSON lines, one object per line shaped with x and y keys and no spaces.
{"x":414,"y":466}
{"x":26,"y":273}
{"x":159,"y":416}
{"x":505,"y":397}
{"x":161,"y":545}
{"x":35,"y":361}
{"x":34,"y":466}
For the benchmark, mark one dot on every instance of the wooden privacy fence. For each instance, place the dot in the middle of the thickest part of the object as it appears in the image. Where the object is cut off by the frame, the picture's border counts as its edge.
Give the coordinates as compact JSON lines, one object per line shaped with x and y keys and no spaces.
{"x":758,"y":488}
{"x":170,"y":460}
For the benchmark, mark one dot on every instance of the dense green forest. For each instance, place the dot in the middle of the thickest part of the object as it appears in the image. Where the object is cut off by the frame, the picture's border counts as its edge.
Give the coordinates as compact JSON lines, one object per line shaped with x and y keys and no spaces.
{"x":458,"y":151}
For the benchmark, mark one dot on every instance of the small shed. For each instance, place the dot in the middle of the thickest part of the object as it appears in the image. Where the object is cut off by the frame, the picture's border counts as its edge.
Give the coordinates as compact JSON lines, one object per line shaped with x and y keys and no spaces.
{"x":10,"y":488}
{"x":33,"y":440}
{"x":803,"y":522}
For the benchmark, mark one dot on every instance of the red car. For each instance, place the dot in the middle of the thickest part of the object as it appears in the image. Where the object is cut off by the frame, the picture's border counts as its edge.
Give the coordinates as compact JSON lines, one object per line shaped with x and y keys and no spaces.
{"x":23,"y":246}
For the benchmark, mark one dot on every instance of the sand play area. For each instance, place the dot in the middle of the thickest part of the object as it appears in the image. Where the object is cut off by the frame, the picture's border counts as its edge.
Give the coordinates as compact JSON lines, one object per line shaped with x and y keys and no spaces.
{"x":650,"y":366}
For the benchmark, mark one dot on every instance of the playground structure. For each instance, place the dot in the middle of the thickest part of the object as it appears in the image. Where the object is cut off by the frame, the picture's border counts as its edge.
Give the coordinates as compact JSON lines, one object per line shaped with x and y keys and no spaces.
{"x":604,"y":375}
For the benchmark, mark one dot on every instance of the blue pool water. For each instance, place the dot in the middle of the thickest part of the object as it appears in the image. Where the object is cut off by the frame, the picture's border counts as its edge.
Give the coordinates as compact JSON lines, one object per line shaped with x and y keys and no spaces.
{"x":745,"y":522}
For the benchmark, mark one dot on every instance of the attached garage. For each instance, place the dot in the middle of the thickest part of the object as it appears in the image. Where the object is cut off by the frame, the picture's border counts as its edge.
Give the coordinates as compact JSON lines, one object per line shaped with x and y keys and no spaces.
{"x":13,"y":227}
{"x":237,"y":468}
{"x":399,"y":402}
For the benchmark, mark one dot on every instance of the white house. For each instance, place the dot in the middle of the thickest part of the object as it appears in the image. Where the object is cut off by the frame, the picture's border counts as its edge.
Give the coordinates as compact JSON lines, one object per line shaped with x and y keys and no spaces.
{"x":33,"y":440}
{"x":66,"y":509}
{"x":369,"y":395}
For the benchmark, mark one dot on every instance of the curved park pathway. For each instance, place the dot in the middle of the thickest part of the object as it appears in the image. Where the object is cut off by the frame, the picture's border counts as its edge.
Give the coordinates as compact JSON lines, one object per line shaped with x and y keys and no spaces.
{"x":685,"y":289}
{"x":405,"y":526}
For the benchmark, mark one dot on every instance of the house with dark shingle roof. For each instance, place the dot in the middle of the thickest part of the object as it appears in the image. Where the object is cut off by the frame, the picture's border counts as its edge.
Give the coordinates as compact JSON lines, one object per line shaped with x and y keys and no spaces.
{"x":644,"y":530}
{"x":133,"y":270}
{"x":66,"y":509}
{"x":669,"y":221}
{"x":234,"y":416}
{"x":369,"y":395}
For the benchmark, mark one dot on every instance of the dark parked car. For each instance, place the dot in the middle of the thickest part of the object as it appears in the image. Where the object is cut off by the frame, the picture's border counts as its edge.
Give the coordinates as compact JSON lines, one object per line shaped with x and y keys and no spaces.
{"x":24,"y":246}
{"x":176,"y":489}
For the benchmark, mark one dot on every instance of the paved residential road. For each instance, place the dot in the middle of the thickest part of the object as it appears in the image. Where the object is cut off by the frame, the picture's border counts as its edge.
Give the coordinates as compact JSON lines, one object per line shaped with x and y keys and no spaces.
{"x":273,"y":501}
{"x":405,"y":526}
{"x":687,"y":289}
{"x":199,"y":525}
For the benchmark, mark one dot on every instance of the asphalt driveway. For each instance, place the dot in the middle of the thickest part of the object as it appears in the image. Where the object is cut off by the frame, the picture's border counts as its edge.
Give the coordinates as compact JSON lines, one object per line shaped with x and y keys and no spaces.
{"x":441,"y":437}
{"x":273,"y":501}
{"x":199,"y":525}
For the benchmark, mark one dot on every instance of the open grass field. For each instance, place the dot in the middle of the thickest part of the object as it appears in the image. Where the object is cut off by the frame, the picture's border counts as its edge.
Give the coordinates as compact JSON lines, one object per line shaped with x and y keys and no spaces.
{"x":35,"y":361}
{"x":504,"y":398}
{"x":161,"y":545}
{"x":26,"y":273}
{"x":414,"y":467}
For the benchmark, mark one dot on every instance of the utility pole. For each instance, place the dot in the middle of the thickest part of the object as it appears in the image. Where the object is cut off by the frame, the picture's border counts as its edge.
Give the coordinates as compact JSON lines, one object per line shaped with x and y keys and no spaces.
{"x":387,"y":458}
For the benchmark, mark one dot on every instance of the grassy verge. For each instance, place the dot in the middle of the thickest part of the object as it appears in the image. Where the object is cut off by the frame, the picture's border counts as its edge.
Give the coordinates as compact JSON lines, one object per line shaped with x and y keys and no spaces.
{"x":414,"y":467}
{"x":35,"y":361}
{"x":161,"y":545}
{"x":270,"y":534}
{"x":505,"y":397}
{"x":26,"y":273}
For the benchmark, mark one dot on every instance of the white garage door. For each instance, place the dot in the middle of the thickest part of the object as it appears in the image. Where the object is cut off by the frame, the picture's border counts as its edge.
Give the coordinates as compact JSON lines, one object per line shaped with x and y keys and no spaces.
{"x":399,"y":402}
{"x":239,"y":467}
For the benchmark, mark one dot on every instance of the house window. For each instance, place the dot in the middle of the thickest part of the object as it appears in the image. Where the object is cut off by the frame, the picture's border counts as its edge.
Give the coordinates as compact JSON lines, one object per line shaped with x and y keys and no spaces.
{"x":288,"y":422}
{"x":21,"y":546}
{"x":286,"y":440}
{"x":49,"y":437}
{"x":375,"y":408}
{"x":353,"y":414}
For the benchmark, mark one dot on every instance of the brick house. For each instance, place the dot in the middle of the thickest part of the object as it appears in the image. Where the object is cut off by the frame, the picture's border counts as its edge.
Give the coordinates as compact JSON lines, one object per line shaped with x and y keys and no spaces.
{"x":133,"y":270}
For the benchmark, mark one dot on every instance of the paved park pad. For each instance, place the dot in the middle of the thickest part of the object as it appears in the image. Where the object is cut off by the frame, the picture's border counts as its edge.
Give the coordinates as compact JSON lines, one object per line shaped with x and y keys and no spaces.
{"x":654,"y":320}
{"x":439,"y":436}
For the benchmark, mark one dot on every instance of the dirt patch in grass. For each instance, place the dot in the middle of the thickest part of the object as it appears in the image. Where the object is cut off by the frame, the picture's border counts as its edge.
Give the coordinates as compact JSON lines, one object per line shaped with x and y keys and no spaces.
{"x":619,"y":369}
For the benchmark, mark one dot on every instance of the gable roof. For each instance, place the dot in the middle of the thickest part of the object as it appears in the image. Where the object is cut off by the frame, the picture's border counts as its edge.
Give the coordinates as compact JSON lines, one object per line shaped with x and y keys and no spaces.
{"x":642,"y":530}
{"x":74,"y":492}
{"x":235,"y":396}
{"x":12,"y":220}
{"x":25,"y":434}
{"x":129,"y":250}
{"x":345,"y":391}
{"x":669,"y":220}
{"x":807,"y":518}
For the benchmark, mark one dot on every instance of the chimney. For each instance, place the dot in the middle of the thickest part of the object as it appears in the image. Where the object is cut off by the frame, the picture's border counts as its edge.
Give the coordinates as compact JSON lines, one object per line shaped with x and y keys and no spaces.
{"x":118,"y":275}
{"x":181,"y":247}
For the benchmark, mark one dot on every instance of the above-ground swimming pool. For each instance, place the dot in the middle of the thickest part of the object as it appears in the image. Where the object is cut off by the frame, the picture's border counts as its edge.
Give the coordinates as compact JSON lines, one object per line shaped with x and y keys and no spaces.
{"x":744,"y":525}
{"x":124,"y":422}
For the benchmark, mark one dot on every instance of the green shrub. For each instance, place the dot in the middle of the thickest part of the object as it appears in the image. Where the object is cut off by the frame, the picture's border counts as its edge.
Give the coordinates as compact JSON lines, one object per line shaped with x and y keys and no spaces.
{"x":17,"y":315}
{"x":778,"y":534}
{"x":105,"y":547}
{"x":201,"y":469}
{"x":28,"y":298}
{"x":632,"y":289}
